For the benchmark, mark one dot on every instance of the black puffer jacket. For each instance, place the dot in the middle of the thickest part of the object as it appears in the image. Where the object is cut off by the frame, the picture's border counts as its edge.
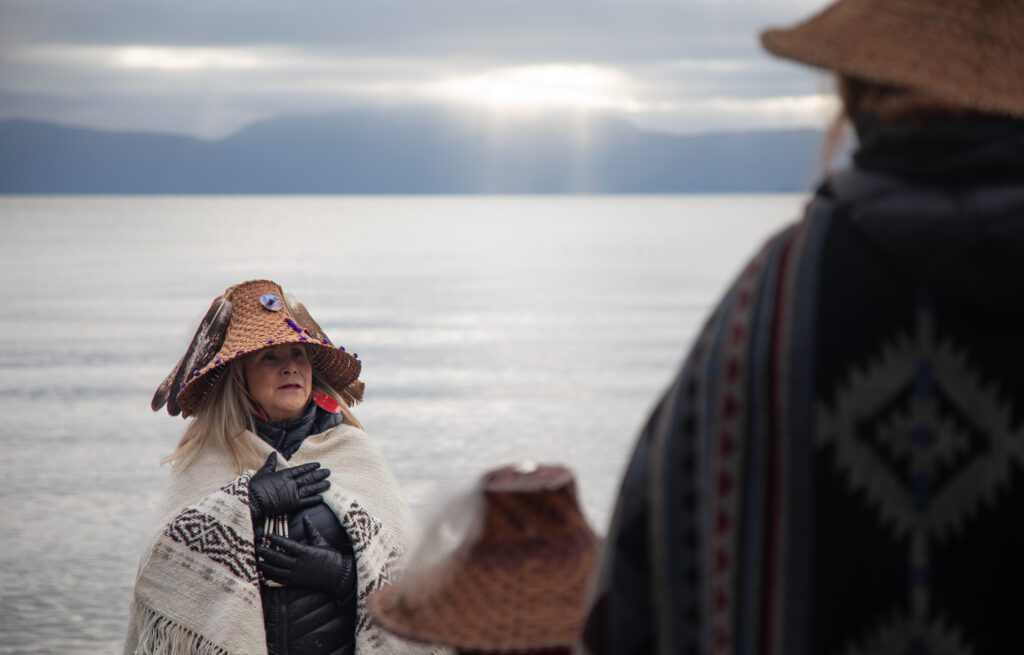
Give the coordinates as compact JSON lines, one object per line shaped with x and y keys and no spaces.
{"x":304,"y":621}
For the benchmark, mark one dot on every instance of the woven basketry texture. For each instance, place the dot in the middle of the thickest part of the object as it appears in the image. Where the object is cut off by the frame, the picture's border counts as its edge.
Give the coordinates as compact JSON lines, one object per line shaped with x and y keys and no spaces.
{"x":254,"y":327}
{"x":519,"y":585}
{"x":968,"y":52}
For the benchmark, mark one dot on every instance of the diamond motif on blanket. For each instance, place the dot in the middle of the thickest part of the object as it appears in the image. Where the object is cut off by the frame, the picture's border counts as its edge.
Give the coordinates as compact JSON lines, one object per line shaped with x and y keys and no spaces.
{"x":918,"y":430}
{"x":361,"y":526}
{"x":920,"y":433}
{"x":206,"y":535}
{"x":932,"y":636}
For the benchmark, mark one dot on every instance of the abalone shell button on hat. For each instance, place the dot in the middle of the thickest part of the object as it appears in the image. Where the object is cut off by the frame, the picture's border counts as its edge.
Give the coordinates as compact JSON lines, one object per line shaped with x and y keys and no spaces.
{"x":271,"y":301}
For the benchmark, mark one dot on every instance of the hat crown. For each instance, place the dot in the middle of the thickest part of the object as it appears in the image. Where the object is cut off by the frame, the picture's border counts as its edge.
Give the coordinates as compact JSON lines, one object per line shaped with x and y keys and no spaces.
{"x":252,"y":290}
{"x":518,"y":585}
{"x":261,"y":317}
{"x":532,"y":511}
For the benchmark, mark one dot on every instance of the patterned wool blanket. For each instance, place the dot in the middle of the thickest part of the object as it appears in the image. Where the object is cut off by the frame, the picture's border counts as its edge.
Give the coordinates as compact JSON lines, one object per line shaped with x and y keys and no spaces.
{"x":197,"y":589}
{"x":838,"y":468}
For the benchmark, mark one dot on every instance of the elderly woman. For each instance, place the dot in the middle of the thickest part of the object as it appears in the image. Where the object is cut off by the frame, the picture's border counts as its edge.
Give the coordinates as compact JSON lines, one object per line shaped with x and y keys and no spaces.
{"x":838,"y":467}
{"x":280,"y":516}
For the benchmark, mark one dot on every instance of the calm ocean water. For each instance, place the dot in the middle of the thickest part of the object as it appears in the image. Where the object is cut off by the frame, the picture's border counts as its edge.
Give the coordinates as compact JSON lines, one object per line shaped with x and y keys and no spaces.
{"x":491,"y":329}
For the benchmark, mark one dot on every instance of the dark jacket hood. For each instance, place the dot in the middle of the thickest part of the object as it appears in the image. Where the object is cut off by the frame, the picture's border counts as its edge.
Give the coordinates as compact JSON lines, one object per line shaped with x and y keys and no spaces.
{"x":915,"y":193}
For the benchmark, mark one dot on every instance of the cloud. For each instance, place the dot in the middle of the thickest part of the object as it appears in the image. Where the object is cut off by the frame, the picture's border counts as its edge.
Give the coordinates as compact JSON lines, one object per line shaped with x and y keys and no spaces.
{"x":538,"y":87}
{"x":506,"y":29}
{"x":730,"y":114}
{"x":684,"y":66}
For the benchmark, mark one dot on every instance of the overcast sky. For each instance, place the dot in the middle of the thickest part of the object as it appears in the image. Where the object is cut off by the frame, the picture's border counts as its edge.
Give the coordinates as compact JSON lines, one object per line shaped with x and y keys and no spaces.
{"x":207,"y":68}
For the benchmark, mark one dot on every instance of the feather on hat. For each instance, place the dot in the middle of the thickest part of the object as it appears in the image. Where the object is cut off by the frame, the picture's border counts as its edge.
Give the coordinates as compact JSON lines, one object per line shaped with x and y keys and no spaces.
{"x":246,"y":318}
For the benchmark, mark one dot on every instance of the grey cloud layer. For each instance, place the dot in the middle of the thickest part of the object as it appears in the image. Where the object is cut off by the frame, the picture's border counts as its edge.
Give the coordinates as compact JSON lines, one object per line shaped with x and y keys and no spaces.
{"x":589,"y":29}
{"x":320,"y":54}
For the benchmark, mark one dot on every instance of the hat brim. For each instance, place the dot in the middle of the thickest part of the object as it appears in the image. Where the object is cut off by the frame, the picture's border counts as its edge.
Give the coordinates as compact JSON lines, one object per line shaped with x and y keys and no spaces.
{"x":495,"y":601}
{"x":337,"y":368}
{"x":965,"y":52}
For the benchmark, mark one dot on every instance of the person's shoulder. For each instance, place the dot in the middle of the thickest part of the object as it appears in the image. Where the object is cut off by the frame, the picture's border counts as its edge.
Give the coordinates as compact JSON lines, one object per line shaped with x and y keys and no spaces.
{"x":216,"y":462}
{"x":345,"y":431}
{"x":340,"y":438}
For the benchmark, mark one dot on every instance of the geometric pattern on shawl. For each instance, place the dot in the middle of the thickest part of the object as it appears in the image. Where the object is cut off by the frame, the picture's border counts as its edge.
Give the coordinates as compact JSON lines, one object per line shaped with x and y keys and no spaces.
{"x":206,"y":535}
{"x":702,"y":534}
{"x":378,"y":559}
{"x":927,"y":464}
{"x":739,"y":527}
{"x":197,"y":590}
{"x":198,"y":581}
{"x":745,"y":437}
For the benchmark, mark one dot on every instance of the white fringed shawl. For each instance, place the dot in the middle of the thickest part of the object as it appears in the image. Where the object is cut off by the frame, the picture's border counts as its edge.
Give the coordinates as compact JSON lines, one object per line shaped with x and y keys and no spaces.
{"x":197,"y":589}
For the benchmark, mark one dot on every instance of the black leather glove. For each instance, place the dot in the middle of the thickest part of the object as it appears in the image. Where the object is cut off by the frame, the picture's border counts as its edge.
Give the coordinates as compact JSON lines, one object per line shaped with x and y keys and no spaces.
{"x":318,"y":566}
{"x":273,"y":492}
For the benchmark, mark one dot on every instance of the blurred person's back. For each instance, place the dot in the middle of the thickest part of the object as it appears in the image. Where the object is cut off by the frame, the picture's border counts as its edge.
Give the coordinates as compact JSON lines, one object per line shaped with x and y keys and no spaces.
{"x":837,"y":467}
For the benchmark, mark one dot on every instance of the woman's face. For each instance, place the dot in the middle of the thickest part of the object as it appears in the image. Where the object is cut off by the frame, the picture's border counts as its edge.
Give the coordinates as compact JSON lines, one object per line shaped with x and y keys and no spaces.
{"x":280,"y":379}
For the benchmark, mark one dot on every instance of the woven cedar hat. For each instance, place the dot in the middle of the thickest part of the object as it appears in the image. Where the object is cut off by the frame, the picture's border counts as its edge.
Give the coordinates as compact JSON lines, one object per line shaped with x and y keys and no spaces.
{"x":520,"y":584}
{"x":248,"y":317}
{"x":968,"y":52}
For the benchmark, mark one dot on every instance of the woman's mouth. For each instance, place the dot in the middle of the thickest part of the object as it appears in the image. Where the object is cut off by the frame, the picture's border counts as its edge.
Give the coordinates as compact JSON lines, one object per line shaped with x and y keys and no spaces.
{"x":290,"y":386}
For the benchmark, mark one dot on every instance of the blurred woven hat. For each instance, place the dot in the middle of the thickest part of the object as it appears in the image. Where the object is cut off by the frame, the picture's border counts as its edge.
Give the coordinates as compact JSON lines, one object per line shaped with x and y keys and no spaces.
{"x":517,"y":585}
{"x":248,"y":317}
{"x":967,"y":52}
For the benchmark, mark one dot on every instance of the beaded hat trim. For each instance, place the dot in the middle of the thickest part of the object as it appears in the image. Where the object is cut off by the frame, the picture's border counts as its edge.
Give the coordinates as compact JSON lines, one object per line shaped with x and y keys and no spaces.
{"x":260,"y":317}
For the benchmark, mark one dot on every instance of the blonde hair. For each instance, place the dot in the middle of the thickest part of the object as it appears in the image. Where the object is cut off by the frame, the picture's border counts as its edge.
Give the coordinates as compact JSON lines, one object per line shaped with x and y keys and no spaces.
{"x":227,"y":414}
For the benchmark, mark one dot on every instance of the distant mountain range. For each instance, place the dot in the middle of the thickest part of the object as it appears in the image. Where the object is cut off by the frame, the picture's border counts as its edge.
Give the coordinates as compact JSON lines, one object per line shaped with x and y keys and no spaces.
{"x":405,"y":151}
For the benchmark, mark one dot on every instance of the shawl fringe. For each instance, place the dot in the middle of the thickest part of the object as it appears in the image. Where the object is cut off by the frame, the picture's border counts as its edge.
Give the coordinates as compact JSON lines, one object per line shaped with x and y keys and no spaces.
{"x":200,"y":567}
{"x":159,"y":635}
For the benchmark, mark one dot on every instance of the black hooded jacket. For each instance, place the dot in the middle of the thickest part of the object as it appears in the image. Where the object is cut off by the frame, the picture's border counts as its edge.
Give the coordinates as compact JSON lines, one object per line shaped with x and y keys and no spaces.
{"x":305,"y":621}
